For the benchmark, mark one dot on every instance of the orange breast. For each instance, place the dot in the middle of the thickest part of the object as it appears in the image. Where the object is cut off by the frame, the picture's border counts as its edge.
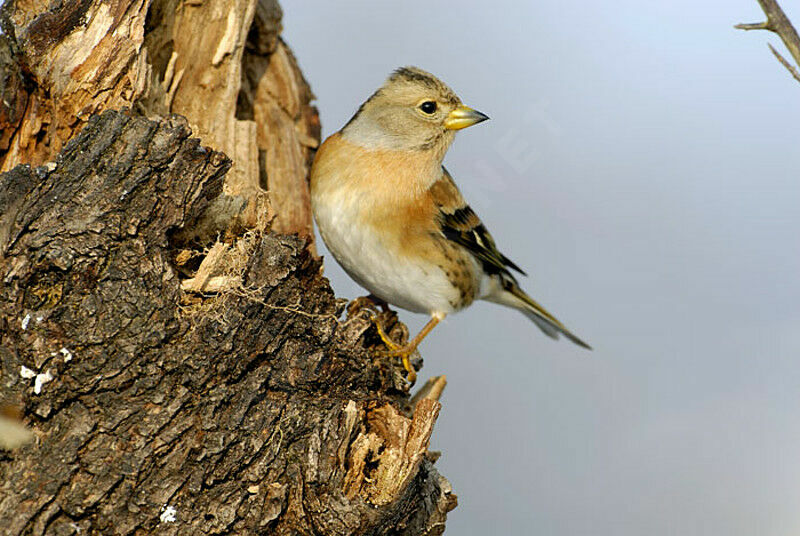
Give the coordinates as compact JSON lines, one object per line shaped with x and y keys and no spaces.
{"x":393,"y":188}
{"x":391,"y":193}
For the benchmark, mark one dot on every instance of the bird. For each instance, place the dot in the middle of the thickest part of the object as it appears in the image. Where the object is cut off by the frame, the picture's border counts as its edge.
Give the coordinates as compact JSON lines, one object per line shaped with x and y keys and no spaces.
{"x":392,"y":216}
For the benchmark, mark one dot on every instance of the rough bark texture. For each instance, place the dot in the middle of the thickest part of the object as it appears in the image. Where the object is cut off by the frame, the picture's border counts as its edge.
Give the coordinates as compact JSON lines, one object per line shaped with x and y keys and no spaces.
{"x":172,"y":386}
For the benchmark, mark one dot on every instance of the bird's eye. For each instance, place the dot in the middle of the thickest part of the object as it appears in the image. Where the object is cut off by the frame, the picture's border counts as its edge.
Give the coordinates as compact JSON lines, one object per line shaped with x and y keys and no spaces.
{"x":428,"y":107}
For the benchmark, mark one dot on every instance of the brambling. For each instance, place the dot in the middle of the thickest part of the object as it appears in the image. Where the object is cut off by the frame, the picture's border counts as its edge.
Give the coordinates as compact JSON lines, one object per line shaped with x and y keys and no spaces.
{"x":393,"y":217}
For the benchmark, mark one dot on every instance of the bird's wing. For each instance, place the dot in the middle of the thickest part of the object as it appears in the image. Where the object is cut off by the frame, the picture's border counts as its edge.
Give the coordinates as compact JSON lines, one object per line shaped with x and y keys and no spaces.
{"x":459,"y":223}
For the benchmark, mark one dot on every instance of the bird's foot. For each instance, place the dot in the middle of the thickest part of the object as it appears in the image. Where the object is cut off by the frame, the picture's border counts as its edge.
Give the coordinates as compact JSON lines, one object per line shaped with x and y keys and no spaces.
{"x":403,"y":351}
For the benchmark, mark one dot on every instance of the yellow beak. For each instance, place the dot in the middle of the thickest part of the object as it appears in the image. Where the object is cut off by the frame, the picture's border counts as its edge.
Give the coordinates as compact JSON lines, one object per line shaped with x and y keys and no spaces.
{"x":463,"y":117}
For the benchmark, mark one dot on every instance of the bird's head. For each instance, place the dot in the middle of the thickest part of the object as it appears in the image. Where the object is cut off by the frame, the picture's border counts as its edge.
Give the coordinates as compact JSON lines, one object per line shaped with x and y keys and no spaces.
{"x":413,"y":110}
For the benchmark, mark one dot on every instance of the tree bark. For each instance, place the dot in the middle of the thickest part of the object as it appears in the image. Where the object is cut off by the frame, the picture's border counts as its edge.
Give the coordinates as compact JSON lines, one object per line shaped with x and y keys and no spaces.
{"x":172,"y":382}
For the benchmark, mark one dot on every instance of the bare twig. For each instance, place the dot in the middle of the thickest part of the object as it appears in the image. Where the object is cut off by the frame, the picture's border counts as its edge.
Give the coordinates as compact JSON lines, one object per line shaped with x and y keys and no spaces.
{"x":752,"y":26}
{"x":785,"y":62}
{"x":777,"y":22}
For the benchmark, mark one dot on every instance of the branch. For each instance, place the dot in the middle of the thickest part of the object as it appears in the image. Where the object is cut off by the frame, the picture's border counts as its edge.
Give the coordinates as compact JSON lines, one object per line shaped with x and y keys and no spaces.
{"x":777,"y":22}
{"x":792,"y":69}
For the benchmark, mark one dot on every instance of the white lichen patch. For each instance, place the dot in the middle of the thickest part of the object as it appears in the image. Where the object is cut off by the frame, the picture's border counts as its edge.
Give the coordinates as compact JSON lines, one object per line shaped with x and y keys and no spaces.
{"x":168,"y":514}
{"x":40,"y":380}
{"x":26,"y":321}
{"x":67,"y":354}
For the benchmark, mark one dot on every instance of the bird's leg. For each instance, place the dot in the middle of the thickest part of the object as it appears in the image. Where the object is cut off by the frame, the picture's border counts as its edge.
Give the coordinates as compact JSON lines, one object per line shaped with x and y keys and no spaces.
{"x":405,"y":351}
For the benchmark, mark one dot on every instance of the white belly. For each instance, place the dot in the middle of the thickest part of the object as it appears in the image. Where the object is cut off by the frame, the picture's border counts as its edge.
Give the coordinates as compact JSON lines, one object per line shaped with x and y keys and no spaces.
{"x":418,"y":287}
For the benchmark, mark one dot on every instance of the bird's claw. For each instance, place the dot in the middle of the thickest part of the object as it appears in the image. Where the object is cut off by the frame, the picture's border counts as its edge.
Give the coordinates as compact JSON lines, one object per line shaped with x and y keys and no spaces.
{"x":396,"y":350}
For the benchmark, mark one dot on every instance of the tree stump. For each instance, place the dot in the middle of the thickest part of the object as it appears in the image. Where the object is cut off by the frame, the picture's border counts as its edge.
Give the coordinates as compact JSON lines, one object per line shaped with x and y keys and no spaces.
{"x":166,"y":334}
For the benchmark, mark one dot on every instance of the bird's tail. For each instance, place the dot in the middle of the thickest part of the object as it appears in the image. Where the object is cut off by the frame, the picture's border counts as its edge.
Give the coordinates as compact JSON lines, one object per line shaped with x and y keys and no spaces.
{"x":513,"y":296}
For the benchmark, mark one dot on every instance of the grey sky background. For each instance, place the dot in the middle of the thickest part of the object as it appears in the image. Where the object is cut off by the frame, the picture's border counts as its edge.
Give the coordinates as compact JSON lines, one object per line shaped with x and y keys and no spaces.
{"x":643,"y":164}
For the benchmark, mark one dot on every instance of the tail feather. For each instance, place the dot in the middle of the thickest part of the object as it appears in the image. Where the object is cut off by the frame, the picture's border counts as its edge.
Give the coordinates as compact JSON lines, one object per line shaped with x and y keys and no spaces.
{"x":513,"y":296}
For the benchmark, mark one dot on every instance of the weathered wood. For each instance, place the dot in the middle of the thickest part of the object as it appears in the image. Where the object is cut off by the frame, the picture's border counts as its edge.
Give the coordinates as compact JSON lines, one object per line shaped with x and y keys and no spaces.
{"x":221,"y":65}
